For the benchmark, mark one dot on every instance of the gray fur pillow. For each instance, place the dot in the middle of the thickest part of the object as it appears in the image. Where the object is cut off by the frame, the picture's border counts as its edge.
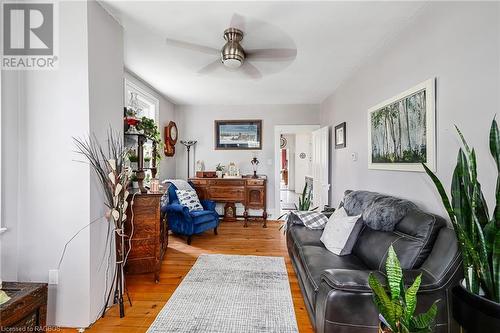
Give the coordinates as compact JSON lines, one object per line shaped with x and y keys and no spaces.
{"x":356,"y":202}
{"x":385,"y":212}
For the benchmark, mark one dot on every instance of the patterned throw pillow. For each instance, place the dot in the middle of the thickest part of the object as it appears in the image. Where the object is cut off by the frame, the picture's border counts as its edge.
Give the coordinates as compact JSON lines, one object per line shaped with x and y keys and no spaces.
{"x":189,"y":199}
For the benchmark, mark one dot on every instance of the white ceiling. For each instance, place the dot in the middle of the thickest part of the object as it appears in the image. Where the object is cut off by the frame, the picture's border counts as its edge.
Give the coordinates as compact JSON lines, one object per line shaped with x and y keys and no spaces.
{"x":332,"y":40}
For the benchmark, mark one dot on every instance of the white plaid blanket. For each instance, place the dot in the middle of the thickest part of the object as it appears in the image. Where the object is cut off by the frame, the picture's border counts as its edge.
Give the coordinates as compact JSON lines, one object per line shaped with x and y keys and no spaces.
{"x":310,"y":219}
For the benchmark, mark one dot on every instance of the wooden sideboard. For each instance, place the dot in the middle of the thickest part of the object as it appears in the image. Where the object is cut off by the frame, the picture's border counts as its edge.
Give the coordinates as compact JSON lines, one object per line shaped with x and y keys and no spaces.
{"x":250,"y":192}
{"x":26,"y":311}
{"x":150,"y":238}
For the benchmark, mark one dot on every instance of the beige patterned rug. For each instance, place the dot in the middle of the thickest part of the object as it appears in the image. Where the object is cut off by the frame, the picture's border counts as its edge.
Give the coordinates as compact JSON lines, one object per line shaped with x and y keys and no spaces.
{"x":230,"y":293}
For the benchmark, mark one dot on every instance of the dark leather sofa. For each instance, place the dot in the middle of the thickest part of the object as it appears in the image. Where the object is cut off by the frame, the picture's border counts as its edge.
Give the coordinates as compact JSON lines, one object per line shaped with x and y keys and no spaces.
{"x":335,"y":288}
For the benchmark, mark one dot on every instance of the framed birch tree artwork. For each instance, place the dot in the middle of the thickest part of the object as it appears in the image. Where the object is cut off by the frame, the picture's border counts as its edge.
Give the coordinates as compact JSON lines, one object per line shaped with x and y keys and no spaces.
{"x":401,"y":130}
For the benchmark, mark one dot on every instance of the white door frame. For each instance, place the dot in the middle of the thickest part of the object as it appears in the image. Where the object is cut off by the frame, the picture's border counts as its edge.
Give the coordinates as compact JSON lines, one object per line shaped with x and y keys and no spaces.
{"x":278,"y":130}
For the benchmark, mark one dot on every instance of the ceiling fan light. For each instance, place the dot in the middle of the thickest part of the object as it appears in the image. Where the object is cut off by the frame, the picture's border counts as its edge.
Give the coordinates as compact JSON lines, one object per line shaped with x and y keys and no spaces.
{"x":231,"y":63}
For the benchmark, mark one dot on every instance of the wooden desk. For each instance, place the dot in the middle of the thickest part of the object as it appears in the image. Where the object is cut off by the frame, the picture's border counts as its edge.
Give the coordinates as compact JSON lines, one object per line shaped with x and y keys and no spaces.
{"x":26,"y":311}
{"x":250,"y":192}
{"x":150,"y":238}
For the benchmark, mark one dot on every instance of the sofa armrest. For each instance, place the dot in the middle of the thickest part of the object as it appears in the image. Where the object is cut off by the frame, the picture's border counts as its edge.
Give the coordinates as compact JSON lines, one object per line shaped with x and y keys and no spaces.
{"x":208,"y":204}
{"x":178,"y":209}
{"x":357,"y":280}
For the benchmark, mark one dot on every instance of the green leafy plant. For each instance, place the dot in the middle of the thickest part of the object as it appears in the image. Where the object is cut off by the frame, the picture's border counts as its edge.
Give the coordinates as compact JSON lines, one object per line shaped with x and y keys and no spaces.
{"x":147,"y":159}
{"x":219,"y":167}
{"x":305,"y":199}
{"x":132,"y":157}
{"x":398,"y":308}
{"x":478,"y":236}
{"x":152,"y":132}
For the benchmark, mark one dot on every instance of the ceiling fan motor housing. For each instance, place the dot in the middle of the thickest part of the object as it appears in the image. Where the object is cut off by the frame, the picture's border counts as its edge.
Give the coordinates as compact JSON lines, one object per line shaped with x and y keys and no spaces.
{"x":232,"y":53}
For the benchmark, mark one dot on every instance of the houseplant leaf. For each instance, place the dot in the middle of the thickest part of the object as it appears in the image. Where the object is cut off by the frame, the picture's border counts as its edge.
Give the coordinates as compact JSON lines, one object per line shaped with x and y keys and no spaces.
{"x":411,"y":298}
{"x":394,"y":274}
{"x":382,"y":300}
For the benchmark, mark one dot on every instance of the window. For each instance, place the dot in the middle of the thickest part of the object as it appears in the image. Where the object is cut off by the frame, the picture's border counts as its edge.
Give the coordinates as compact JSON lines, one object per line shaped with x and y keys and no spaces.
{"x":148,"y":105}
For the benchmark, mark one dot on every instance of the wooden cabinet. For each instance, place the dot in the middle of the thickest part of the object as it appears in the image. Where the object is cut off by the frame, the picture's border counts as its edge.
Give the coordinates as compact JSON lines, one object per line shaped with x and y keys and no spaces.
{"x":26,"y":311}
{"x":251,"y":192}
{"x":149,"y":234}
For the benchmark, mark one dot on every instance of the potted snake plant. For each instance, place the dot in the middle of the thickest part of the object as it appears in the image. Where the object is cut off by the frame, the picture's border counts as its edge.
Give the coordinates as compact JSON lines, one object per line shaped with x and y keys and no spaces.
{"x":476,"y":301}
{"x":397,"y":309}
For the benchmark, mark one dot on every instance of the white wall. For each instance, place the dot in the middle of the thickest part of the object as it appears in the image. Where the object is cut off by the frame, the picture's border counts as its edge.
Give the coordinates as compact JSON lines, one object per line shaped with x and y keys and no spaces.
{"x":303,"y":144}
{"x":197,"y":123}
{"x":54,"y":190}
{"x":459,"y":44}
{"x":47,"y":194}
{"x":167,"y":168}
{"x":105,"y":43}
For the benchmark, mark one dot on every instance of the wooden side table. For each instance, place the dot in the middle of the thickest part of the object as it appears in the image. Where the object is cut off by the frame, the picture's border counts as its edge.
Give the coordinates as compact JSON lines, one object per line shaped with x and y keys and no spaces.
{"x":26,"y":311}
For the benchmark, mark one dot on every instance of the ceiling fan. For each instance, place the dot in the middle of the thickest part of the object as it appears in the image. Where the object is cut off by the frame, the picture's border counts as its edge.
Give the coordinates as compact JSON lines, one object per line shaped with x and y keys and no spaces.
{"x":233,"y":56}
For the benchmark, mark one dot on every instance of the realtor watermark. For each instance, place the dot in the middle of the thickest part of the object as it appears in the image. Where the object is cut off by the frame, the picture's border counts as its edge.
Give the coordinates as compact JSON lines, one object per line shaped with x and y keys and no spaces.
{"x":29,"y":36}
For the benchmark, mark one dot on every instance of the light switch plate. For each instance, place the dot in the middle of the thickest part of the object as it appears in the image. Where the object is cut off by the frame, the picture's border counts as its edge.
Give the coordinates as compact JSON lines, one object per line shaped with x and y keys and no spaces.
{"x":53,"y":276}
{"x":354,"y":157}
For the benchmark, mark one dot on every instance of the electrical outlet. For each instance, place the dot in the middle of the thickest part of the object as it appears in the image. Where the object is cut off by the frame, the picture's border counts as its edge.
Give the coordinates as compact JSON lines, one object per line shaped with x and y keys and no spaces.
{"x":53,"y":276}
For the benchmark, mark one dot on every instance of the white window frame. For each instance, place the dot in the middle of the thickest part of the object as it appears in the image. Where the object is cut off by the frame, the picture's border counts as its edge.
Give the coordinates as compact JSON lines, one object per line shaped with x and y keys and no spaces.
{"x":131,"y":86}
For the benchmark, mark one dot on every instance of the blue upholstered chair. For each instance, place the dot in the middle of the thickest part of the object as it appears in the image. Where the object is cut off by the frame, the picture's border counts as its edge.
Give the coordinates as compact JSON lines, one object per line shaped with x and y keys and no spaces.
{"x":183,"y":222}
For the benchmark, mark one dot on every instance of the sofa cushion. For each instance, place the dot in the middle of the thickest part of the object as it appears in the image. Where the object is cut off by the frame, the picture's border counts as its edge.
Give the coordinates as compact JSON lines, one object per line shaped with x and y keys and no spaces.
{"x":412,"y":238}
{"x":315,"y":259}
{"x":385,"y":212}
{"x":303,"y":236}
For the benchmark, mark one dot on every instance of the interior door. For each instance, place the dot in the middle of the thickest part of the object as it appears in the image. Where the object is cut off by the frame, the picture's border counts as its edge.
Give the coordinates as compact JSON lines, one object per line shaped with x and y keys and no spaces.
{"x":320,"y":166}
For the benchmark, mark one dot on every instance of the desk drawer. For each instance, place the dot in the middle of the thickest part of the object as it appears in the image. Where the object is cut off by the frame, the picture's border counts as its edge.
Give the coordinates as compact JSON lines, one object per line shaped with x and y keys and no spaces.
{"x":225,"y":193}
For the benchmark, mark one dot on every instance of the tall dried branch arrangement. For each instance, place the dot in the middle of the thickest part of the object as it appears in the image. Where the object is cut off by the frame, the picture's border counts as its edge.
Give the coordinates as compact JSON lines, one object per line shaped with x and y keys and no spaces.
{"x":114,"y":176}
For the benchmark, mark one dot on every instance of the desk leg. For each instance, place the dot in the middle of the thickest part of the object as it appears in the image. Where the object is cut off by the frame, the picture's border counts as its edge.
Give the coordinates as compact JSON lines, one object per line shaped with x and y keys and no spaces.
{"x":245,"y":216}
{"x":264,"y":216}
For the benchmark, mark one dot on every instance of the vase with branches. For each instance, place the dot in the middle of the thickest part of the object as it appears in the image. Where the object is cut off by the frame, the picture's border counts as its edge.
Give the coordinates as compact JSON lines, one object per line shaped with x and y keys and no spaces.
{"x":108,"y":164}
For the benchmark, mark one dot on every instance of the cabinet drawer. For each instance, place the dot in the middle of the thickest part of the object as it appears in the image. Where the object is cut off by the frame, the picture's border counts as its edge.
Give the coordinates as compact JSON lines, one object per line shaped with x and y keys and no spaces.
{"x":227,"y":182}
{"x":255,"y":182}
{"x":222,"y":193}
{"x":199,"y":181}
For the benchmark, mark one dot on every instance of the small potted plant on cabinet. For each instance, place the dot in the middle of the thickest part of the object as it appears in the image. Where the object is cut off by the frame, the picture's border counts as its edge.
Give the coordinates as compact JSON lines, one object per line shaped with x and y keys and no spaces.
{"x":397,"y":309}
{"x":476,"y":301}
{"x":219,"y":170}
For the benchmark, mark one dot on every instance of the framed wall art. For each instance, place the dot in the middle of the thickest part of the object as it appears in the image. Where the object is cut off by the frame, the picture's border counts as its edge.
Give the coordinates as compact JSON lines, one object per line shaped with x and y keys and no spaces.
{"x":340,"y":136}
{"x":238,"y":134}
{"x":401,"y":130}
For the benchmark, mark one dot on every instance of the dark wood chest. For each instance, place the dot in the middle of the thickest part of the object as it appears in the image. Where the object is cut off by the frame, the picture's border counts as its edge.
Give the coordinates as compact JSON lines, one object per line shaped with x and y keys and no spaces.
{"x":149,"y":234}
{"x":26,"y":311}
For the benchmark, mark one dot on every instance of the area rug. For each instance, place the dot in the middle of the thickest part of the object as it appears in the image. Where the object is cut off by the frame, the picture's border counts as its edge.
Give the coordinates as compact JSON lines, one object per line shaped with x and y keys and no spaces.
{"x":230,"y":293}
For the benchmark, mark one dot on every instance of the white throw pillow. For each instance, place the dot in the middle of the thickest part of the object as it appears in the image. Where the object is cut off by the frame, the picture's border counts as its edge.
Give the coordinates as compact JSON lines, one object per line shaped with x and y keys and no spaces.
{"x":189,"y":199}
{"x":341,"y":232}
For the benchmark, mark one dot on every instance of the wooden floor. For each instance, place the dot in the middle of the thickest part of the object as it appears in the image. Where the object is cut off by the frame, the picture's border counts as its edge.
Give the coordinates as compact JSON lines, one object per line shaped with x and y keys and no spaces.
{"x":148,"y":297}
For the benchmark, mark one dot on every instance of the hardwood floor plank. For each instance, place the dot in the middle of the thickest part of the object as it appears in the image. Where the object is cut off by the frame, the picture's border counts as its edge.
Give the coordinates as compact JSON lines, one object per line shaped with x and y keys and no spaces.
{"x":148,"y":297}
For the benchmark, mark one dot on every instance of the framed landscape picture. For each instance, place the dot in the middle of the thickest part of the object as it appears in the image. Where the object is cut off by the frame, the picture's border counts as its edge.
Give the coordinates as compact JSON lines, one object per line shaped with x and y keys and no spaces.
{"x":238,"y":134}
{"x":401,"y":130}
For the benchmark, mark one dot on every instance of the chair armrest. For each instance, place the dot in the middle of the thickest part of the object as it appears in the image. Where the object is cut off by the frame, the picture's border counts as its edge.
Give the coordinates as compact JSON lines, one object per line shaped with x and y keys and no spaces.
{"x":178,"y":209}
{"x":208,"y":205}
{"x":357,"y":280}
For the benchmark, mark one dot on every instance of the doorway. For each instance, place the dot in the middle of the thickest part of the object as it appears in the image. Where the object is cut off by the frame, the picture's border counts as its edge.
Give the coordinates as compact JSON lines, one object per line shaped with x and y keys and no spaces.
{"x":293,"y":164}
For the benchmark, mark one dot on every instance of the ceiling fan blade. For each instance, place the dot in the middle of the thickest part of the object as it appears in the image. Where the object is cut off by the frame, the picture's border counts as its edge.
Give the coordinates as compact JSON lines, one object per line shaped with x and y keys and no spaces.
{"x":250,"y":70}
{"x":271,"y":54}
{"x":238,"y":22}
{"x":192,"y":46}
{"x":210,"y":67}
